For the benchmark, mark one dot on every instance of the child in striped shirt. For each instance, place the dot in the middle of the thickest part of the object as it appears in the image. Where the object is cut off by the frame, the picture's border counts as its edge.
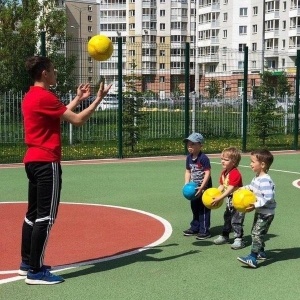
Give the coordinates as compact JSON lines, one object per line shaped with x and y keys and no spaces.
{"x":264,"y":189}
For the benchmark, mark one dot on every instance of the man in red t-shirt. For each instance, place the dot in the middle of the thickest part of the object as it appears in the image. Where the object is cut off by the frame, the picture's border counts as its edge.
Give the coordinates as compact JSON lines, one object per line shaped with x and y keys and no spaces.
{"x":43,"y":113}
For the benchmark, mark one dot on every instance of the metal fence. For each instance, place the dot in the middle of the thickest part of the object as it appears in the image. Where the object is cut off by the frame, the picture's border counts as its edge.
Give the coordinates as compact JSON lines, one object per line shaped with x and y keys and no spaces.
{"x":170,"y":97}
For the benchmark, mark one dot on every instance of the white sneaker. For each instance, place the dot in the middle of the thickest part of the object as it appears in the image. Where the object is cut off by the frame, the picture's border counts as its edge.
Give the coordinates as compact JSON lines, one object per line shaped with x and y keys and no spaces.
{"x":238,"y":244}
{"x":221,"y":240}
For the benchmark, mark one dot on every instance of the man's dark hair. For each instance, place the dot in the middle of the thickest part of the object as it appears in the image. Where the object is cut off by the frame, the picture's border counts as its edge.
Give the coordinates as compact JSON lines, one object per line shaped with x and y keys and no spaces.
{"x":35,"y":65}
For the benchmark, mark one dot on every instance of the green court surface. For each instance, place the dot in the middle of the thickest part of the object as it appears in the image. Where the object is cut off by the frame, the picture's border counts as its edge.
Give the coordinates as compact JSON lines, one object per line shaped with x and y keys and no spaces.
{"x":181,"y":267}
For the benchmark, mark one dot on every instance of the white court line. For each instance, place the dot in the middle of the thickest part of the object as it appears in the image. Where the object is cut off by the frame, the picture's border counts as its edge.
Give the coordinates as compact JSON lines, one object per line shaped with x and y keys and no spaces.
{"x":163,"y":238}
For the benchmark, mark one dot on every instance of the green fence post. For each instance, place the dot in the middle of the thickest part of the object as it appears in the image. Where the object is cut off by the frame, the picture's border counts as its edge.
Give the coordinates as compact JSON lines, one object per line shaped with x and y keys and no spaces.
{"x":187,"y":90}
{"x":296,"y":125}
{"x":120,"y":98}
{"x":245,"y":104}
{"x":43,"y":43}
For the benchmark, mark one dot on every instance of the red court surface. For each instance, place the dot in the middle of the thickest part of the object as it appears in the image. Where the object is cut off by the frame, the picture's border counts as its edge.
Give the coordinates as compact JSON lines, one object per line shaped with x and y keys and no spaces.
{"x":82,"y":233}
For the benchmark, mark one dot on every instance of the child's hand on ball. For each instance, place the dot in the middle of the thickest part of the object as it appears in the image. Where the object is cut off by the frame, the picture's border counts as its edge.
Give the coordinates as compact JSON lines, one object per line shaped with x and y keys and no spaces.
{"x":250,"y":208}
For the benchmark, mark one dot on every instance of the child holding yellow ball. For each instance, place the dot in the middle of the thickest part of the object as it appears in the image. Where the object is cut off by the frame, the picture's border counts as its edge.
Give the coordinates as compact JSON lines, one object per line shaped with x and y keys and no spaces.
{"x":264,"y":189}
{"x":230,"y":180}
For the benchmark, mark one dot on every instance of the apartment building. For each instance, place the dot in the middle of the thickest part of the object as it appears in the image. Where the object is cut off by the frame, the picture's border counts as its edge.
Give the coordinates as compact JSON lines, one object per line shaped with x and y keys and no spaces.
{"x":155,"y":32}
{"x":82,"y":24}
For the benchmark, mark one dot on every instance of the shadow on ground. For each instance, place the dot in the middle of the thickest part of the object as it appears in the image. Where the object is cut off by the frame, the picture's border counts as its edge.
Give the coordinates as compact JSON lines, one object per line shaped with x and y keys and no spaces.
{"x":143,"y":256}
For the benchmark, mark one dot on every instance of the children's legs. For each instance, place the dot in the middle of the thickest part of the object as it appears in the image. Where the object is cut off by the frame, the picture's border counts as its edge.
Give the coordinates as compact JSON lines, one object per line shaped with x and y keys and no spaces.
{"x":195,"y":207}
{"x":260,"y":229}
{"x":227,"y":222}
{"x":204,"y":218}
{"x":237,"y":222}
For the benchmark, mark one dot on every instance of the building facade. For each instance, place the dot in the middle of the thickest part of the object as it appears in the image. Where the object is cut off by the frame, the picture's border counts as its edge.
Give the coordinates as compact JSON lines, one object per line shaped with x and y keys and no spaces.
{"x":155,"y":34}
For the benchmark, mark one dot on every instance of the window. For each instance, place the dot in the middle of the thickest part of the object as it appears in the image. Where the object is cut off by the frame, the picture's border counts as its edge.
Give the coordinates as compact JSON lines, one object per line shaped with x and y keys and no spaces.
{"x":90,"y":18}
{"x":90,"y":8}
{"x":283,"y":44}
{"x":225,"y":17}
{"x":252,"y":82}
{"x":131,"y":26}
{"x":225,"y":34}
{"x":283,"y":62}
{"x":162,"y":66}
{"x":253,"y":64}
{"x":90,"y":70}
{"x":241,"y":64}
{"x":162,"y":39}
{"x":254,"y":46}
{"x":162,"y":52}
{"x":224,"y":67}
{"x":161,"y":78}
{"x":271,"y":64}
{"x":162,"y":26}
{"x":162,"y":1}
{"x":212,"y":69}
{"x":284,"y":5}
{"x":255,"y":10}
{"x":131,"y":52}
{"x":254,"y":29}
{"x":243,"y":12}
{"x":162,"y":13}
{"x":242,"y":47}
{"x":132,"y":39}
{"x":90,"y":29}
{"x":132,"y":13}
{"x":242,"y":30}
{"x":283,"y":25}
{"x":225,"y":2}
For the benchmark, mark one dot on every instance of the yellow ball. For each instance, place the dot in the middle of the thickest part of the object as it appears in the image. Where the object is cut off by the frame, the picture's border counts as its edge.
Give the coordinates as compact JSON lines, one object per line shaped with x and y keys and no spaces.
{"x":242,"y":198}
{"x":100,"y":47}
{"x":208,"y":195}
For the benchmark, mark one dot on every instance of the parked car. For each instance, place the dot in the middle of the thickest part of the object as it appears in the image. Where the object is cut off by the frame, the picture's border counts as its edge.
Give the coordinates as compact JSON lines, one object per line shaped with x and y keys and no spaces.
{"x":211,"y":103}
{"x":108,"y":103}
{"x":150,"y":102}
{"x":284,"y":104}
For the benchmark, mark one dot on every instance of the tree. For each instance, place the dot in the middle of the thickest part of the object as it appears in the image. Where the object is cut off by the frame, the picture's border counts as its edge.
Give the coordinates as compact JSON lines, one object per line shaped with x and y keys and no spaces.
{"x":21,"y":24}
{"x":213,"y":88}
{"x":17,"y":41}
{"x":264,"y":110}
{"x":133,"y":117}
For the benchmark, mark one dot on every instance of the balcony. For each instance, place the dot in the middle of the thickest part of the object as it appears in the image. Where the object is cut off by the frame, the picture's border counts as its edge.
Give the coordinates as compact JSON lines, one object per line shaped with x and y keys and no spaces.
{"x":149,"y":3}
{"x":208,"y":58}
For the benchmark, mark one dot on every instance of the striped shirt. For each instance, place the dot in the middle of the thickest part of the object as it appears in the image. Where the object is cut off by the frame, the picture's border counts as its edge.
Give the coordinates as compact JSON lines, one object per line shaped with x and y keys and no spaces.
{"x":264,"y":189}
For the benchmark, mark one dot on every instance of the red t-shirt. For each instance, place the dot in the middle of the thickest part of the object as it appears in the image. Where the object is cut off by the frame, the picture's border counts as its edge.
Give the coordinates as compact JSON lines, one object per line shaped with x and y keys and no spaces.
{"x":42,"y":111}
{"x":233,"y":177}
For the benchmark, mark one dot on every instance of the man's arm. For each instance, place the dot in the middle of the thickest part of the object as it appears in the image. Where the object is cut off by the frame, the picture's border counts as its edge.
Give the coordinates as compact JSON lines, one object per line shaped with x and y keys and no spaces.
{"x":78,"y":119}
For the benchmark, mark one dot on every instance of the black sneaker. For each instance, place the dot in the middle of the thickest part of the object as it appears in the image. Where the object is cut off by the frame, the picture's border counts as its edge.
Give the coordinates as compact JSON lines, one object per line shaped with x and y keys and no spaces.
{"x":203,"y":236}
{"x":189,"y":232}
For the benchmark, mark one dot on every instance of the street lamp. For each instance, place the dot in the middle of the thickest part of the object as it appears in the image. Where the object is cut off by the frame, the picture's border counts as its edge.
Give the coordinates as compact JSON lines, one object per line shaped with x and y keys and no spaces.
{"x":80,"y":10}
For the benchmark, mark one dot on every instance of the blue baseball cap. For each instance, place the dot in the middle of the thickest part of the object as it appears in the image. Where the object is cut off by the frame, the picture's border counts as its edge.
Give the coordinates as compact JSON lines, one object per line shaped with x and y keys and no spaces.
{"x":195,"y":137}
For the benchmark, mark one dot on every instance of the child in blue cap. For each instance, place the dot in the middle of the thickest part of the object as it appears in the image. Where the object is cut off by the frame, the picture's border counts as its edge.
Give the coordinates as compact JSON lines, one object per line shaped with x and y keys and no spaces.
{"x":198,"y":170}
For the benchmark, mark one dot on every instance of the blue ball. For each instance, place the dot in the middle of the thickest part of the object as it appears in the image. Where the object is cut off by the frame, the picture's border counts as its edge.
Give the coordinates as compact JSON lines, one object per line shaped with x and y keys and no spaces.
{"x":189,"y":190}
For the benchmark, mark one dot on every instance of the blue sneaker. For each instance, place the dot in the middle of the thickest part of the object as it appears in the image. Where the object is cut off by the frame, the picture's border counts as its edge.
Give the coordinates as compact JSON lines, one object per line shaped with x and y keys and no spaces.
{"x":24,"y":268}
{"x":262,"y":255}
{"x":248,"y":260}
{"x":43,"y":277}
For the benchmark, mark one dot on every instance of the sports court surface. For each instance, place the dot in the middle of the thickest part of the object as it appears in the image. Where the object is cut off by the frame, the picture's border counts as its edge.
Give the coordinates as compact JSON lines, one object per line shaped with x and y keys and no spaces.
{"x":118,"y":235}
